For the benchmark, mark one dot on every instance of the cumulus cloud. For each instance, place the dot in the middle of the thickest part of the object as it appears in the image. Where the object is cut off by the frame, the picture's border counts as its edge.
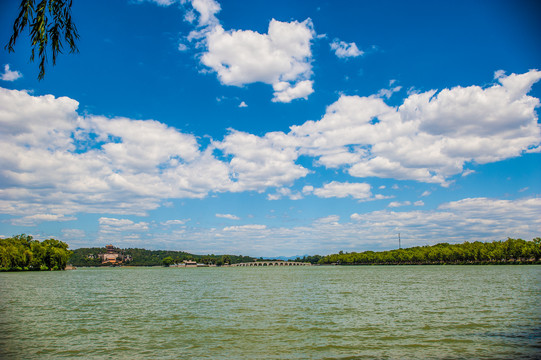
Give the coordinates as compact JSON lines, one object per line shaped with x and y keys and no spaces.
{"x":285,"y":92}
{"x":54,"y":161}
{"x":227,"y":216}
{"x":57,"y":162}
{"x":343,"y":49}
{"x":281,"y":57}
{"x":10,"y":75}
{"x":285,"y":192}
{"x":342,"y":190}
{"x":430,"y":136}
{"x":112,"y":225}
{"x":261,"y":162}
{"x":399,"y":203}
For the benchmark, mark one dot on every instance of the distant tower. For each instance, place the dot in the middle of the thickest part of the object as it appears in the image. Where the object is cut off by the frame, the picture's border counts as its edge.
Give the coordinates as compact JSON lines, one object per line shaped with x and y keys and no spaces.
{"x":399,"y":247}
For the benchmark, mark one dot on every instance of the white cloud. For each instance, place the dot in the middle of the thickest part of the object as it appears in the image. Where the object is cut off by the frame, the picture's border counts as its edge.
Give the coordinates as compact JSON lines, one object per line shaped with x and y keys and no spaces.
{"x":243,"y":104}
{"x":254,"y":227}
{"x":242,"y":56}
{"x":331,"y":219}
{"x":261,"y":162}
{"x":419,"y":203}
{"x":227,"y":216}
{"x":430,"y":136}
{"x":112,"y":225}
{"x":284,"y":92}
{"x":387,"y":93}
{"x":207,"y":10}
{"x":285,"y":192}
{"x":399,"y":203}
{"x":174,"y":222}
{"x":57,"y":162}
{"x":32,"y":220}
{"x":281,"y":58}
{"x":345,"y":50}
{"x":182,"y":47}
{"x":160,"y":2}
{"x":342,"y":190}
{"x":10,"y":75}
{"x":54,"y":161}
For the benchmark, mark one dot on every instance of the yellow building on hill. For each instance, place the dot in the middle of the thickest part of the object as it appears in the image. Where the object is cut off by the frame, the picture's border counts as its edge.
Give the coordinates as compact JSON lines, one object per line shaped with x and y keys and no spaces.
{"x":113,"y":256}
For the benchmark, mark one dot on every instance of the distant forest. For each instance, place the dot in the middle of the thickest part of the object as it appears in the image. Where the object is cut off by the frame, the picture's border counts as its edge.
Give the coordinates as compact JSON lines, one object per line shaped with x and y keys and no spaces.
{"x":143,"y":257}
{"x":514,"y":251}
{"x":22,"y":252}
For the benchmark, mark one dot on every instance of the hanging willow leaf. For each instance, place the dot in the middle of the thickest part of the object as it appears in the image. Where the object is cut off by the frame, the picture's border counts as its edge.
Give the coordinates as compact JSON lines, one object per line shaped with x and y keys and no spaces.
{"x":49,"y":22}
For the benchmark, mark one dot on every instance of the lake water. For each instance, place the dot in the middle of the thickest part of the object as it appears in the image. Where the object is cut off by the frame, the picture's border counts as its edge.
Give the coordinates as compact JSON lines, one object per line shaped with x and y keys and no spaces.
{"x":383,"y":312}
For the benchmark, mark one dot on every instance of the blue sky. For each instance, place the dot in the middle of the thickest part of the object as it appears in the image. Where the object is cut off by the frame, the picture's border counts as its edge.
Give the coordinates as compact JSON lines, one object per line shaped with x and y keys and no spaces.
{"x":276,"y":128}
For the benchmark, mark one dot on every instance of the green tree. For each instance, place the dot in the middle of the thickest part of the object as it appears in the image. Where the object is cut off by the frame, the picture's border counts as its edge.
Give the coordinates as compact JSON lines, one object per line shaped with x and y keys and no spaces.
{"x":21,"y":252}
{"x":467,"y":252}
{"x":49,"y":23}
{"x":56,"y":254}
{"x":226,"y":259}
{"x":168,"y":261}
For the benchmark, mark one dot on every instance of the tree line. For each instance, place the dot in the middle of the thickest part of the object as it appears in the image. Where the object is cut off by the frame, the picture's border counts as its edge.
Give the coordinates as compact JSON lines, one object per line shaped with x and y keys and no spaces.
{"x":22,"y":252}
{"x":514,"y":251}
{"x":144,"y":257}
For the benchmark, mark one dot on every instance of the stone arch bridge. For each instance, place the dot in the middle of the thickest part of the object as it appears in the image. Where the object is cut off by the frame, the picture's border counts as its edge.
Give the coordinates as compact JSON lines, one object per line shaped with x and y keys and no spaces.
{"x":272,"y":263}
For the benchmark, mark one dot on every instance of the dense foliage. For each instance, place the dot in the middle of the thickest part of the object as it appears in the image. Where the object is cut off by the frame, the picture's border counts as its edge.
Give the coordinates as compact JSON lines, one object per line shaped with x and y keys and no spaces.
{"x":21,"y":252}
{"x":508,"y":251}
{"x":81,"y":257}
{"x":313,"y":259}
{"x":143,"y":257}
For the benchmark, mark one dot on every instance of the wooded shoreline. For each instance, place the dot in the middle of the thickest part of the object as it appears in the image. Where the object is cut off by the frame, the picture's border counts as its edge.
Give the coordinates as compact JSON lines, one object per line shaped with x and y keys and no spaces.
{"x":21,"y":252}
{"x":510,"y":251}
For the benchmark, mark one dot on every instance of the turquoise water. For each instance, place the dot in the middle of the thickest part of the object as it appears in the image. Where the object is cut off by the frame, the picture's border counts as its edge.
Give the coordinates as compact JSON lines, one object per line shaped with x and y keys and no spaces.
{"x":383,"y":312}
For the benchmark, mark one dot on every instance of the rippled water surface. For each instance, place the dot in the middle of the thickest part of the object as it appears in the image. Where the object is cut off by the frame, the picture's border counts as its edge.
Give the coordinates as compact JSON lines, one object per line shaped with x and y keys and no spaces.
{"x":384,"y":312}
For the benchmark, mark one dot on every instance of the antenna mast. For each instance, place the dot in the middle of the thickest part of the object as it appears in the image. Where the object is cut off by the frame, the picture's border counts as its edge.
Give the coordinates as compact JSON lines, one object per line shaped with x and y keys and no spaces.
{"x":399,"y":245}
